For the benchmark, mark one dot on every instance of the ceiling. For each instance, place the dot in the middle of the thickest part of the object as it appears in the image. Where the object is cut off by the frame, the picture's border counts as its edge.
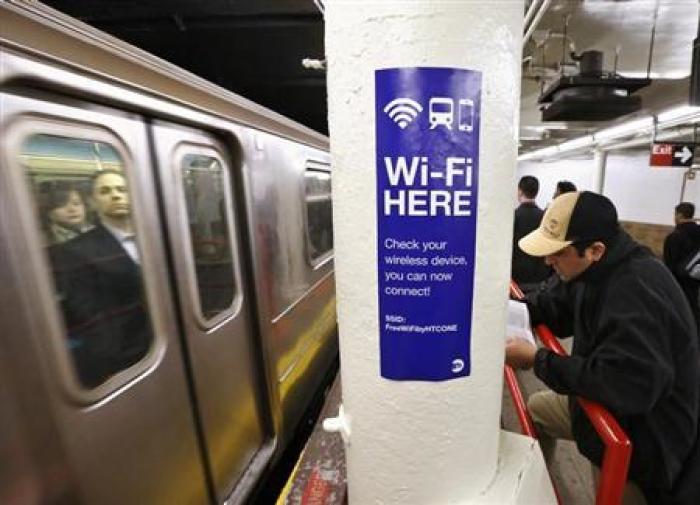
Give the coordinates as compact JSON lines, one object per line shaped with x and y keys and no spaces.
{"x":612,"y":26}
{"x":255,"y":48}
{"x":251,"y":47}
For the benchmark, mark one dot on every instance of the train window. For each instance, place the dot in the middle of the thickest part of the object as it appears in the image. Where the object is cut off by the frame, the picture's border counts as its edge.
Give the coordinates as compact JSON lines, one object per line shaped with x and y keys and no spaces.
{"x":319,"y":214}
{"x":204,"y":182}
{"x":81,"y":195}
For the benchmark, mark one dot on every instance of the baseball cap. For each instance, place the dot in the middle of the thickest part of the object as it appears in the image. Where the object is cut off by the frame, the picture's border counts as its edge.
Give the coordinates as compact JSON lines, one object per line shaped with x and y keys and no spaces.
{"x":572,"y":217}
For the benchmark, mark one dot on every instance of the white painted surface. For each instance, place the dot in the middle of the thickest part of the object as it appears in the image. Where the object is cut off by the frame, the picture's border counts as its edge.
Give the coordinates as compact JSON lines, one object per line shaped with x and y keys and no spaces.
{"x":641,"y":193}
{"x":579,"y":171}
{"x":420,"y":442}
{"x":600,"y":164}
{"x":521,"y":478}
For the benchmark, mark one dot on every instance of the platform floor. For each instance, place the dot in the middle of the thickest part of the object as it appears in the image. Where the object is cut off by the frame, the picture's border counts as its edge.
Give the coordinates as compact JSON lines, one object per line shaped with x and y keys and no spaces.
{"x":570,"y":471}
{"x":319,"y":475}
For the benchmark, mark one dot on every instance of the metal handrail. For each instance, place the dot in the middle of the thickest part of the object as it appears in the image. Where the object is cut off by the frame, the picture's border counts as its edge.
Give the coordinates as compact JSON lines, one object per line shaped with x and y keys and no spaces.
{"x":618,"y":447}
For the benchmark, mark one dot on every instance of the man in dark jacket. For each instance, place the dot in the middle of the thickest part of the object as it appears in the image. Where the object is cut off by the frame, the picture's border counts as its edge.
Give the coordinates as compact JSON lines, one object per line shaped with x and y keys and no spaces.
{"x":99,"y":281}
{"x":635,"y":348}
{"x":682,"y":243}
{"x":526,"y":270}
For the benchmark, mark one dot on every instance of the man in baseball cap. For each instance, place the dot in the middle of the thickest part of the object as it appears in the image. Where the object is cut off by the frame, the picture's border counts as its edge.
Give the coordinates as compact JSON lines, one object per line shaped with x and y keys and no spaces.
{"x":635,"y":349}
{"x":584,"y":218}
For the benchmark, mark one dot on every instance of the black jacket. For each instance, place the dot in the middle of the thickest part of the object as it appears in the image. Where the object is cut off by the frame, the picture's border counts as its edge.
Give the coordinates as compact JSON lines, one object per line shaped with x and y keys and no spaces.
{"x":678,"y":246}
{"x":103,"y":304}
{"x":527,"y":269}
{"x":635,"y":352}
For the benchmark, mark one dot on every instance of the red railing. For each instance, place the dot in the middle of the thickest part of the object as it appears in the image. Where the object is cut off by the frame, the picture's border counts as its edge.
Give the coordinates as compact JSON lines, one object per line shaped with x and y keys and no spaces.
{"x":618,"y":448}
{"x":526,"y":425}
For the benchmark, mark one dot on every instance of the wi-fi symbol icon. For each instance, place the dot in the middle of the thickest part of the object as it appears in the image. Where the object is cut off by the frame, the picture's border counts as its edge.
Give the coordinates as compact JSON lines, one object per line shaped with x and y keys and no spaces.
{"x":402,"y":111}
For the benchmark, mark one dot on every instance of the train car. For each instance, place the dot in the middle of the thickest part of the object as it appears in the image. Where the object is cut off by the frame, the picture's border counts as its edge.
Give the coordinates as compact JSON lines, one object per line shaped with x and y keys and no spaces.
{"x":167,"y":308}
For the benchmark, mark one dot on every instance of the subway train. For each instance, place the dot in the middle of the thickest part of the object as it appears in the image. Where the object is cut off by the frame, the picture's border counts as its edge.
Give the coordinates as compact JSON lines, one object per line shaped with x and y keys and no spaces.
{"x":167,"y":308}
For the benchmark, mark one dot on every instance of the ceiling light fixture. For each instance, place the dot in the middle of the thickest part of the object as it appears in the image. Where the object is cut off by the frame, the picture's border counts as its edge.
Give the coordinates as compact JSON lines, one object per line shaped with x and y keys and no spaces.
{"x":633,"y":127}
{"x":679,"y":115}
{"x":666,"y":119}
{"x":577,"y":143}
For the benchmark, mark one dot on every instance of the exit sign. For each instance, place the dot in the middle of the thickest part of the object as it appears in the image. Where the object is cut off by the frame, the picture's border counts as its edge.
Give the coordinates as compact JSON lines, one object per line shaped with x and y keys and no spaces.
{"x":671,"y":155}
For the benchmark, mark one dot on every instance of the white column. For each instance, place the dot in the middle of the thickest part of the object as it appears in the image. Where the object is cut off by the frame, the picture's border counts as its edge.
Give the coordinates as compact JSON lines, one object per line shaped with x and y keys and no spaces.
{"x":600,"y":159}
{"x":420,"y":442}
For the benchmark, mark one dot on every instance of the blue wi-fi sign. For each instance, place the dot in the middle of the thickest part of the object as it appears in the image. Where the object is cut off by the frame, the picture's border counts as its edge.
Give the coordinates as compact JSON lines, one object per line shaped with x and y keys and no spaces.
{"x":427,"y":132}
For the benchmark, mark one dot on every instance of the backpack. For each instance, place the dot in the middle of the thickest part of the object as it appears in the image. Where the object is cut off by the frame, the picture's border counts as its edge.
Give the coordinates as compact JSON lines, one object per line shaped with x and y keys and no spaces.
{"x":691,"y":264}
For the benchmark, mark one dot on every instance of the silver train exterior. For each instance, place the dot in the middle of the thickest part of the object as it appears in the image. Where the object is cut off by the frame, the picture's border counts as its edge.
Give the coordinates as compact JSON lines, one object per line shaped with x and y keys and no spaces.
{"x":218,"y":394}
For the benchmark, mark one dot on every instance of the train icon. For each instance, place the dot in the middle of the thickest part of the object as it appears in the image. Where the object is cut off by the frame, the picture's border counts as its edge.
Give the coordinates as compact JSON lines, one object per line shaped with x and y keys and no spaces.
{"x":442,"y":113}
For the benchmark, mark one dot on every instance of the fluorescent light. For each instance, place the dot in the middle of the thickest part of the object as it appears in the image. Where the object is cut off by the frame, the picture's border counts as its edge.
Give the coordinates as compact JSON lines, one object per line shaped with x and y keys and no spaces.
{"x":624,"y":129}
{"x":528,"y":156}
{"x":678,"y":115}
{"x":539,"y":154}
{"x":644,"y":125}
{"x":553,"y":126}
{"x":577,"y":143}
{"x":674,"y":74}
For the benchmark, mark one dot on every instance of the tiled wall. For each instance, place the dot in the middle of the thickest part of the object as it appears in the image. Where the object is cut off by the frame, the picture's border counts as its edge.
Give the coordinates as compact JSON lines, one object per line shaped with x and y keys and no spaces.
{"x":651,"y":235}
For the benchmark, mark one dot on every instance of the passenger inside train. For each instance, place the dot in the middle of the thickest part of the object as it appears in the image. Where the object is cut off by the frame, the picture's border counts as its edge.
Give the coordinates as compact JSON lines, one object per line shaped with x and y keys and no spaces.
{"x":63,"y":210}
{"x":99,"y":285}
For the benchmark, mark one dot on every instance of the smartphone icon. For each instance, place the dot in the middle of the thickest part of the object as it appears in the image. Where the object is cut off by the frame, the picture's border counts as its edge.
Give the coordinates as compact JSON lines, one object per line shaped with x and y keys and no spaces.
{"x":465,"y":115}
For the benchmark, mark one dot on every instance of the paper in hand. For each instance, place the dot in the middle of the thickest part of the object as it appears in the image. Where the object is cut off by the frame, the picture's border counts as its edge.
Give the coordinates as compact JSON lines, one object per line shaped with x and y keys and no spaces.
{"x":518,"y":322}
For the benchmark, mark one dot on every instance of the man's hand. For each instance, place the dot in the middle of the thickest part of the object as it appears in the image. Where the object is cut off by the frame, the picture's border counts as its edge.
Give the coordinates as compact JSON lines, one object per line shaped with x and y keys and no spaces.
{"x":520,"y":353}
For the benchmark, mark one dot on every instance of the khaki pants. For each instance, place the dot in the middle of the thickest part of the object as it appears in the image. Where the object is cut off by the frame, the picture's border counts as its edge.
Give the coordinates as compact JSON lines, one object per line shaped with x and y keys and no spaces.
{"x":550,"y":413}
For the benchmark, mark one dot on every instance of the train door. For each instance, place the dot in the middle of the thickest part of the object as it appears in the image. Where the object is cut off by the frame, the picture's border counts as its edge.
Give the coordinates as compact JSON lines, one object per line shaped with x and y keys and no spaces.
{"x":91,"y":303}
{"x":197,"y":185}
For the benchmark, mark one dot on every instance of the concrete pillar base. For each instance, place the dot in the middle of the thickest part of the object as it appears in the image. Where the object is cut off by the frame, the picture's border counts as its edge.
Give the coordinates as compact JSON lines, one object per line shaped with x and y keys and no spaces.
{"x":521,"y":477}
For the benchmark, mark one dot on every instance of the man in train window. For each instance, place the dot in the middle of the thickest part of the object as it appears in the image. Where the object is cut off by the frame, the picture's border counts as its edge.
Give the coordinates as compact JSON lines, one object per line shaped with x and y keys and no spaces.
{"x":99,"y":282}
{"x":635,"y":349}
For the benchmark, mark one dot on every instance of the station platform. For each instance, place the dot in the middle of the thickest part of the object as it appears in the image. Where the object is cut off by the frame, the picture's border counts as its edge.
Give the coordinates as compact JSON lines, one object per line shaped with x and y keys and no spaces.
{"x":319,"y":476}
{"x":570,"y":471}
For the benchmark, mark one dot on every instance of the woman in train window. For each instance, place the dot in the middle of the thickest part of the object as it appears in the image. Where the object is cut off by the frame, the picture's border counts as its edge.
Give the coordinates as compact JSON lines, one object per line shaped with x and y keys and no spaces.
{"x":63,"y":211}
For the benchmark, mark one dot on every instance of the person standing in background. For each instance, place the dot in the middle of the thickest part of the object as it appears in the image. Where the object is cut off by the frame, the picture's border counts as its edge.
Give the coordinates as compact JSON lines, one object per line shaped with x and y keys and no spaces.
{"x":526,"y":270}
{"x":682,"y":243}
{"x":564,"y":187}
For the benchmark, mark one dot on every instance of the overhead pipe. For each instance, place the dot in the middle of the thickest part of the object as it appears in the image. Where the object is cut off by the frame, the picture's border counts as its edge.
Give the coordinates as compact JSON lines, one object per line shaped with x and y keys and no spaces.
{"x":534,"y":7}
{"x":544,"y":5}
{"x":653,"y":37}
{"x":600,"y":158}
{"x":695,"y":71}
